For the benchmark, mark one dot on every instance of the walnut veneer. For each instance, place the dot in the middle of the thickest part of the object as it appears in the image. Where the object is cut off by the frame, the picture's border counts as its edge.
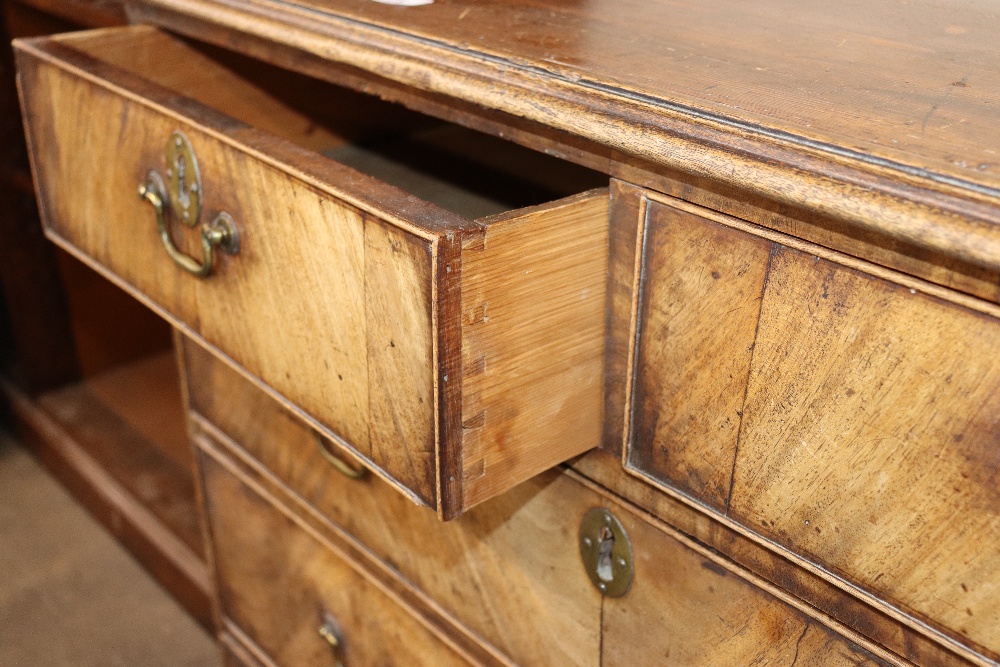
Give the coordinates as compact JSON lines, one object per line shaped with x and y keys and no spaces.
{"x":731,"y":272}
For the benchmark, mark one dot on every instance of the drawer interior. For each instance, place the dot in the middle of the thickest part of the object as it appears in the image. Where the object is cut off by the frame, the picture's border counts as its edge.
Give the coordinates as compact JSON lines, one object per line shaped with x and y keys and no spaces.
{"x":460,"y":170}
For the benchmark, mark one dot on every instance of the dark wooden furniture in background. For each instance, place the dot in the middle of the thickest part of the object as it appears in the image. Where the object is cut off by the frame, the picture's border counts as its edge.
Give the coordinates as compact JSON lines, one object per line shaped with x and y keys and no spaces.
{"x":90,"y":377}
{"x":749,"y":255}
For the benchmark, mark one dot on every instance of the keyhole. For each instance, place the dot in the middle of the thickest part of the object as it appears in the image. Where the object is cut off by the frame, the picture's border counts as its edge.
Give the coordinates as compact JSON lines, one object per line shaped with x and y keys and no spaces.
{"x":181,"y":190}
{"x":604,"y":554}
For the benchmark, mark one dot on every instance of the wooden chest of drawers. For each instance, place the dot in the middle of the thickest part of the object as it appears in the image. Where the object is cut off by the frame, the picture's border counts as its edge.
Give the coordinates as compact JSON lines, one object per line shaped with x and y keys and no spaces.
{"x":451,"y":291}
{"x":504,"y":581}
{"x":405,"y":333}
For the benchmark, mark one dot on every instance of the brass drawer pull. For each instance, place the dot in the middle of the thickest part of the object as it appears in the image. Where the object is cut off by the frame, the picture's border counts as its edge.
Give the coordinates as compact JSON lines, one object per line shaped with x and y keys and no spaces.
{"x":331,"y":633}
{"x":220,"y":232}
{"x":341,"y":466}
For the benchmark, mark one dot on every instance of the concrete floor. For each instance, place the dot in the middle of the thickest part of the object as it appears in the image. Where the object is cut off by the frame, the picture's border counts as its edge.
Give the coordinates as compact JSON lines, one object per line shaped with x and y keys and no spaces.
{"x":70,"y":596}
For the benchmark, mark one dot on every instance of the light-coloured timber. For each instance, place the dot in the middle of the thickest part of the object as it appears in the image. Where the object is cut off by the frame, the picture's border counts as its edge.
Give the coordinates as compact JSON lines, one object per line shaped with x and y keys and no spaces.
{"x":532,"y":327}
{"x":778,"y":322}
{"x":311,"y":589}
{"x":845,"y":412}
{"x":499,"y":568}
{"x":508,"y":569}
{"x":365,"y":282}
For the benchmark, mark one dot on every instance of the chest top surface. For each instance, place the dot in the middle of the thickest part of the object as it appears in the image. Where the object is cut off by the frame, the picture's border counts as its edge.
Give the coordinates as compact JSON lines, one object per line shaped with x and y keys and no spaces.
{"x":915,"y":82}
{"x":882,"y":115}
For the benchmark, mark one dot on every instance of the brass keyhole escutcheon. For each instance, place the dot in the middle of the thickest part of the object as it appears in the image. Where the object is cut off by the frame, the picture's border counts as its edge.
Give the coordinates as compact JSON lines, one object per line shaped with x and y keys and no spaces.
{"x":183,"y":179}
{"x":606,"y":552}
{"x":180,"y":197}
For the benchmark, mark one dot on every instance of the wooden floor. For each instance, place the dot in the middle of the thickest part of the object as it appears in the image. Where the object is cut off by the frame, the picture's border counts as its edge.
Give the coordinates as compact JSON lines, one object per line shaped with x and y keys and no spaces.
{"x":70,"y":596}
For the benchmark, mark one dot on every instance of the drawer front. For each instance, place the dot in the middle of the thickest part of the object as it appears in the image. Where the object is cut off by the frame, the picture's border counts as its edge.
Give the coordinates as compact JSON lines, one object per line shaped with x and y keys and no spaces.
{"x":433,"y":346}
{"x":309,"y":304}
{"x":836,"y":408}
{"x":234,"y":654}
{"x":510,"y":570}
{"x":288,"y":592}
{"x":686,"y":608}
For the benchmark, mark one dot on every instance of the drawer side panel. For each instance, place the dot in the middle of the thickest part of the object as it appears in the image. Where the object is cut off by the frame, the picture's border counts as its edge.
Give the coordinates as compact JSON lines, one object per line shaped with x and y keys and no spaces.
{"x":533,"y":337}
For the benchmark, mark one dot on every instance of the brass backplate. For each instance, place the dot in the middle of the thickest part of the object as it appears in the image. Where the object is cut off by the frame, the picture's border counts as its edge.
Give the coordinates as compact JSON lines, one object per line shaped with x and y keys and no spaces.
{"x":183,"y":179}
{"x":606,"y":552}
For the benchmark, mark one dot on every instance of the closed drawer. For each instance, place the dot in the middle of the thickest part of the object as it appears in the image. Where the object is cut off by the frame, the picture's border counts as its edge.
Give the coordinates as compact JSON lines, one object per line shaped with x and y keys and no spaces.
{"x":455,"y":357}
{"x":846,"y":412}
{"x":231,"y":659}
{"x":292,"y":597}
{"x":507,"y":570}
{"x":689,"y":607}
{"x":235,"y":654}
{"x":512,"y":571}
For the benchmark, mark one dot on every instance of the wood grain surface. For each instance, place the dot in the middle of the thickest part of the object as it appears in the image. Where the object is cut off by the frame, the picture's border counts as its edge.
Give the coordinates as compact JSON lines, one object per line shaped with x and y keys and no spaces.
{"x":257,"y":307}
{"x":282,"y":103}
{"x":780,"y":568}
{"x":685,"y":609}
{"x":279,"y":584}
{"x":823,"y":142}
{"x":532,"y":341}
{"x":361,"y":306}
{"x":509,"y":569}
{"x":835,"y":74}
{"x":700,"y":291}
{"x":870,"y":440}
{"x":858,"y":417}
{"x":499,"y":569}
{"x":866,"y":413}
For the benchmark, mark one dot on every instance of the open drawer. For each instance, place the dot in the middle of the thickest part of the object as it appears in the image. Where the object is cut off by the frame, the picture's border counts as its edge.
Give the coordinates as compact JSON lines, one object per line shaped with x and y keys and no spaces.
{"x":454,"y":356}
